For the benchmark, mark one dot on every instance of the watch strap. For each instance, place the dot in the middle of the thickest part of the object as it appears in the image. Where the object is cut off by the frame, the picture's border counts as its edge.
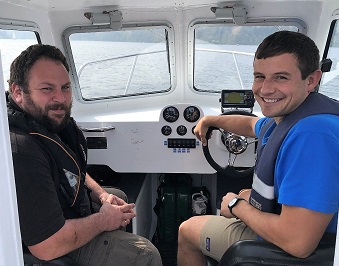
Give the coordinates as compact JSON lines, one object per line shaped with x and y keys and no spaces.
{"x":235,"y":204}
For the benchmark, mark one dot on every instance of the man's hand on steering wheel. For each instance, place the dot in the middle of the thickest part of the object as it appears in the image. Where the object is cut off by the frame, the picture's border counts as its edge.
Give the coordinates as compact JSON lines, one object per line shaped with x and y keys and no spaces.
{"x":200,"y":131}
{"x":235,"y":144}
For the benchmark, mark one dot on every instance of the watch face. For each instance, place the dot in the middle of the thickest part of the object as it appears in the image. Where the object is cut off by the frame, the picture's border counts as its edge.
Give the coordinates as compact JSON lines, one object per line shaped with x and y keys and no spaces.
{"x":232,"y":202}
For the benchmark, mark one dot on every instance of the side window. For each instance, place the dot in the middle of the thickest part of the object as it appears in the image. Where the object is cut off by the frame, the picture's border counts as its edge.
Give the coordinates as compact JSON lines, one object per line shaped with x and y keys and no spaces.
{"x":12,"y":43}
{"x":330,"y":80}
{"x":124,"y":63}
{"x":223,"y":55}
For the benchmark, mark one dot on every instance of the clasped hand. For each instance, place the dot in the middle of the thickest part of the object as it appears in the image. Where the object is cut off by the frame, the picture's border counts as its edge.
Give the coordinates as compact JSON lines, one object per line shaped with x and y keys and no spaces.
{"x":117,"y":210}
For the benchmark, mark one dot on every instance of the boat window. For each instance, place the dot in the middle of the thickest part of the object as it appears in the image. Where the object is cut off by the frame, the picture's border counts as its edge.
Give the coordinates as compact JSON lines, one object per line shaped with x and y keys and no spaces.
{"x":12,"y":43}
{"x":223,"y":55}
{"x":330,"y":80}
{"x":122,"y":63}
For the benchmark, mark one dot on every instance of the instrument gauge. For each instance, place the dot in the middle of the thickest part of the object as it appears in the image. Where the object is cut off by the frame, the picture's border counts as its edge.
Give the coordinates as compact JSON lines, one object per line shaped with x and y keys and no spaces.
{"x":192,"y":114}
{"x":166,"y":130}
{"x":171,"y":114}
{"x":181,"y":130}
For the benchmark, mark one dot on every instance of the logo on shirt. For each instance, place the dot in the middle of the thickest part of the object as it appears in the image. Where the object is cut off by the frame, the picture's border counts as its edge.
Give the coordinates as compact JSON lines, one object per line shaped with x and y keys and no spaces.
{"x":208,"y":244}
{"x":255,"y":204}
{"x":72,"y":180}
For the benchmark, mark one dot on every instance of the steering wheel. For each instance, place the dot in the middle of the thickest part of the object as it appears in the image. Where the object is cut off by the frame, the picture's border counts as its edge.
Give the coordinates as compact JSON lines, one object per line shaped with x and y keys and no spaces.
{"x":235,"y":144}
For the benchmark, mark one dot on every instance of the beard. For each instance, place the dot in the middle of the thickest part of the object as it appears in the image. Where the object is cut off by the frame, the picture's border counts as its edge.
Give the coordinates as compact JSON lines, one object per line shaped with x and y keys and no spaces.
{"x":41,"y":114}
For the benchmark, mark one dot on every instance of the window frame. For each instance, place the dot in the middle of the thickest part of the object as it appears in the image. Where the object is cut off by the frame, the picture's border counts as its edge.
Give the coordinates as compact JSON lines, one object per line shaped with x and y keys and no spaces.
{"x":322,"y":87}
{"x":329,"y":37}
{"x":19,"y":25}
{"x":293,"y":21}
{"x":22,"y":25}
{"x":104,"y":28}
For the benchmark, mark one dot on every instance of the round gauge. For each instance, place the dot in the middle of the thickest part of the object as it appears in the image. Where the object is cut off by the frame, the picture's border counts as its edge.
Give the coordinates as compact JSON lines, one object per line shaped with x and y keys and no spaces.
{"x":171,"y":114}
{"x":181,"y":130}
{"x":193,"y":130}
{"x":166,"y":130}
{"x":191,"y":114}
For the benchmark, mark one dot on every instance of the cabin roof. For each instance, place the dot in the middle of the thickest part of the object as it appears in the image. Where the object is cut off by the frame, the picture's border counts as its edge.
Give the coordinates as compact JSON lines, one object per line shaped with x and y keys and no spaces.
{"x":50,"y":5}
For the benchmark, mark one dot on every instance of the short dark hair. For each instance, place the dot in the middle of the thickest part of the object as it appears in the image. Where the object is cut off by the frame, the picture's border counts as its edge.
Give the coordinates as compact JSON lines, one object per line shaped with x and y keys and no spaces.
{"x":298,"y":44}
{"x":21,"y":65}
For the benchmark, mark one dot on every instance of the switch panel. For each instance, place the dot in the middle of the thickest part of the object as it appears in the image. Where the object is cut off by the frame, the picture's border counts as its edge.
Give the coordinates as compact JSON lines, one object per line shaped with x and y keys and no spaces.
{"x":181,"y":143}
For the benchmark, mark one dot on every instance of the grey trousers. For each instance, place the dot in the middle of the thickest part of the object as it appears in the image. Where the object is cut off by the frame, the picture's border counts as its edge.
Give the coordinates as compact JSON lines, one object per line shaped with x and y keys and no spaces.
{"x":118,"y":248}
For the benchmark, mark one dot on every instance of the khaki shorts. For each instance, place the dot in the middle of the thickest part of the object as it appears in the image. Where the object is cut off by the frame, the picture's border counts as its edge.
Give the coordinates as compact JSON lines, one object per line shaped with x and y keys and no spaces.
{"x":219,"y":233}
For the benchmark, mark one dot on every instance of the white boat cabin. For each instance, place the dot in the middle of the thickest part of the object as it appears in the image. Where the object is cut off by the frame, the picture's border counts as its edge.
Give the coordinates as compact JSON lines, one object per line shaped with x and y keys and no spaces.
{"x":143,"y":73}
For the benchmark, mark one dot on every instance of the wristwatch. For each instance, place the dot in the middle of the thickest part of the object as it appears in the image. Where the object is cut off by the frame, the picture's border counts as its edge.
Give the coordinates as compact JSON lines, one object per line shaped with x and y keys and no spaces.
{"x":233,"y":203}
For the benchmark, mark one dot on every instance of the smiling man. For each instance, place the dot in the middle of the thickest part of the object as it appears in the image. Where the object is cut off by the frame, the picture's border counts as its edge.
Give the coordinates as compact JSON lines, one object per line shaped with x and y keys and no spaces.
{"x":49,"y":99}
{"x":294,"y":198}
{"x":55,"y":194}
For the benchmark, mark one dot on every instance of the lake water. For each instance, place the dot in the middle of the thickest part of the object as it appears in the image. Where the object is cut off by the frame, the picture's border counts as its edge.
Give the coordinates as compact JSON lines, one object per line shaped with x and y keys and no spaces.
{"x":213,"y":70}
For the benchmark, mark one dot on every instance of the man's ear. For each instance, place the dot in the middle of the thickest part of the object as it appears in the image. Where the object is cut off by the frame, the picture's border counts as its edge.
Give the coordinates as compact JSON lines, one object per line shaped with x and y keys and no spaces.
{"x":16,"y":93}
{"x":313,"y":80}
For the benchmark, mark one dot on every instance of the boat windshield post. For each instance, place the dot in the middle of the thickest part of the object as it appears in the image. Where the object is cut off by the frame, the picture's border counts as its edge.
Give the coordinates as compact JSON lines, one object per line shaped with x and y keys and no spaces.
{"x":10,"y":240}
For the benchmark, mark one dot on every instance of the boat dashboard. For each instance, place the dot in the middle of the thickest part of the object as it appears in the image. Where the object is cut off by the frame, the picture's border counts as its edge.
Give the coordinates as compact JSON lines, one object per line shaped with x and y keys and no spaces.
{"x":168,"y":142}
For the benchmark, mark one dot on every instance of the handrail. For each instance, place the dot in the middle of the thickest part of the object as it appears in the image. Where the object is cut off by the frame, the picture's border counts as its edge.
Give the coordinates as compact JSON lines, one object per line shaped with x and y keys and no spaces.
{"x":136,"y":55}
{"x":96,"y":129}
{"x":233,"y":53}
{"x":120,"y":57}
{"x":115,"y":58}
{"x":225,"y":51}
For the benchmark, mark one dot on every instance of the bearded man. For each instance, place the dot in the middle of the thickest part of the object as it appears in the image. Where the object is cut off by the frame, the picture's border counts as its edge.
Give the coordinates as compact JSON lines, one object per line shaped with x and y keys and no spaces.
{"x":54,"y":192}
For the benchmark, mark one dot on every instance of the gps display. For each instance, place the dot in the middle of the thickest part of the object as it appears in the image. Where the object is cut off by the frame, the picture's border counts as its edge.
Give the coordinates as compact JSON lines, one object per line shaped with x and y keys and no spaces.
{"x":237,"y":98}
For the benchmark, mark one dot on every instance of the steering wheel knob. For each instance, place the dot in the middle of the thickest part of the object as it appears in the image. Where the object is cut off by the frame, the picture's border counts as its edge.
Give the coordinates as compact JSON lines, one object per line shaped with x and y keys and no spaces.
{"x":236,"y":144}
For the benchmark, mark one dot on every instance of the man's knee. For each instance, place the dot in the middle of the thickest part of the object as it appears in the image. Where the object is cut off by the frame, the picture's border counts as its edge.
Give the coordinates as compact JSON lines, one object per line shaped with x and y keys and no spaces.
{"x":146,"y":252}
{"x":156,"y":258}
{"x":188,"y":228}
{"x":183,"y":228}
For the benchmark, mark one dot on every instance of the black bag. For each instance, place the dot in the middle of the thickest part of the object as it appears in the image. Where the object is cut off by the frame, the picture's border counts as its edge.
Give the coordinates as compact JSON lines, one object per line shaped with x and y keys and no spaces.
{"x":173,"y":206}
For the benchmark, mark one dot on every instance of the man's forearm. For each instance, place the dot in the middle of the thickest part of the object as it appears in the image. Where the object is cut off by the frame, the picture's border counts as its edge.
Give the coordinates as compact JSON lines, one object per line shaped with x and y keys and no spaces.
{"x":74,"y":234}
{"x":96,"y":189}
{"x":238,"y":124}
{"x":290,"y":230}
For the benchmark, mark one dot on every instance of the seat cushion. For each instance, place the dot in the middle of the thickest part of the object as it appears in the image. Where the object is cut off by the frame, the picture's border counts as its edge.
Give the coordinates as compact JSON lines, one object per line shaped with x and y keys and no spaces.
{"x":254,"y":252}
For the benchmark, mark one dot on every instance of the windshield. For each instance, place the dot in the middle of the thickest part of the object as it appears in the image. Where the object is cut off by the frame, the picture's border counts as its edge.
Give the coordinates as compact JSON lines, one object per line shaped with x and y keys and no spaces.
{"x":223,"y":55}
{"x":330,"y":81}
{"x":12,"y":43}
{"x":121,"y":63}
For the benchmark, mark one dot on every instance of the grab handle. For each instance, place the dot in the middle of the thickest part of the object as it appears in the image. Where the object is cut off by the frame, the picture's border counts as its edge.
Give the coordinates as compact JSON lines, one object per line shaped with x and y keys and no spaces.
{"x":97,"y":129}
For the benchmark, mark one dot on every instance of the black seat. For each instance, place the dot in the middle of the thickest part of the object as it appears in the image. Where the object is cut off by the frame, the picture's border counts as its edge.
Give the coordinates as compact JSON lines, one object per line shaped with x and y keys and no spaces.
{"x":30,"y":260}
{"x":253,"y":253}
